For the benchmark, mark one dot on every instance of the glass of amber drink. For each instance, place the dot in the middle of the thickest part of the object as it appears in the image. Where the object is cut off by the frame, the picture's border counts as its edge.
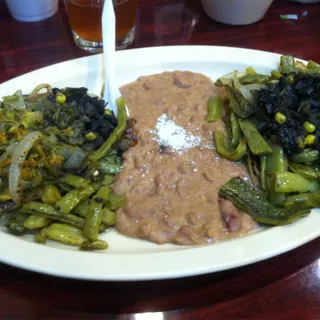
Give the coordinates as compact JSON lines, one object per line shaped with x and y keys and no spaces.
{"x":85,"y":22}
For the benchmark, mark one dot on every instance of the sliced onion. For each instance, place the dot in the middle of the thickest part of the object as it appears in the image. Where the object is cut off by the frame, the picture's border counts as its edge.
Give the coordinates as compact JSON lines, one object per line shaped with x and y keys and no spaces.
{"x":38,"y":88}
{"x":18,"y":159}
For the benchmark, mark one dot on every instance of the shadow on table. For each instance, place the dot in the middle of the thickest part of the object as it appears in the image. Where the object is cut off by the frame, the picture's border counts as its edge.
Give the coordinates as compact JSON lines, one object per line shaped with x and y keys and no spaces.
{"x":39,"y":294}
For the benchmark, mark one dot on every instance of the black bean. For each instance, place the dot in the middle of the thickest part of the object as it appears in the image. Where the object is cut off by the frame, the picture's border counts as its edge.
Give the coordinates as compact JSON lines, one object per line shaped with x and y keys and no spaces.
{"x":90,"y":110}
{"x":105,"y":132}
{"x":98,"y":142}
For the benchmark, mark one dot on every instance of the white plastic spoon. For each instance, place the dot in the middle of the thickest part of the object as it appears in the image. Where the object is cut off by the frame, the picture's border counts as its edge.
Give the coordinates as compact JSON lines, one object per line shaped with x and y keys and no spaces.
{"x":111,"y":91}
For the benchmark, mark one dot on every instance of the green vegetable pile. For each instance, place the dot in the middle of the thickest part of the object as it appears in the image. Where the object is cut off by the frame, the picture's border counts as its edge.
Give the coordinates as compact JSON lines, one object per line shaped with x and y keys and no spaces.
{"x":273,"y":126}
{"x":59,"y":153}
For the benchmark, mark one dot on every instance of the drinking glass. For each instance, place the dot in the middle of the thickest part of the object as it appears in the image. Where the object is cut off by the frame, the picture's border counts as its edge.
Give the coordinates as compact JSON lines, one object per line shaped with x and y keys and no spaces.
{"x":85,"y":22}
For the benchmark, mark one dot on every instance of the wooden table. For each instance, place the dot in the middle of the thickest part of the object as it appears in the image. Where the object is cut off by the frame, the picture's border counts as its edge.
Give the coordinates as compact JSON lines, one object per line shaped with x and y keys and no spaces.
{"x":285,"y":287}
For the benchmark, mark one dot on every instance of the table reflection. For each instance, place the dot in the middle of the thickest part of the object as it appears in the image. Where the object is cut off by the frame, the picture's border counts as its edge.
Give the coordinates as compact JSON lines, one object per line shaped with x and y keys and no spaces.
{"x":173,"y":22}
{"x":144,"y":316}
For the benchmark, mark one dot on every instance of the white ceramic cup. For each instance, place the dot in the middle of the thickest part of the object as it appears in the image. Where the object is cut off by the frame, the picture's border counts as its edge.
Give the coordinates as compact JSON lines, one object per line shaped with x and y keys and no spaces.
{"x":32,"y":10}
{"x":236,"y":12}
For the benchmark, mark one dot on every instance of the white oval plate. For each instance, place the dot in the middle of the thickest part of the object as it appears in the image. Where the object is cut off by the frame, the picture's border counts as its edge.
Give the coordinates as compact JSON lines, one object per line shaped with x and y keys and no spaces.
{"x":131,"y":259}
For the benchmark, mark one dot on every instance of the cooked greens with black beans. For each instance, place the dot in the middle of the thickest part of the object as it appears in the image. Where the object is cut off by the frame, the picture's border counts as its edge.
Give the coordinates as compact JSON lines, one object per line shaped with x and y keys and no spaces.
{"x":279,"y":120}
{"x":59,"y":153}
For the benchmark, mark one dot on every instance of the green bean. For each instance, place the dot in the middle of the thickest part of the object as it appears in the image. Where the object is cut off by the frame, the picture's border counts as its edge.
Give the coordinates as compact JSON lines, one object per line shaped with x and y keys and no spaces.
{"x":76,"y":181}
{"x":35,"y":222}
{"x":41,"y":236}
{"x":93,"y":220}
{"x":110,"y":165}
{"x":256,"y":142}
{"x":108,"y":217}
{"x":235,"y":155}
{"x":251,"y":70}
{"x":303,"y":200}
{"x":48,"y":211}
{"x":263,"y":169}
{"x":5,"y":196}
{"x":66,"y":234}
{"x":15,"y":224}
{"x":287,"y":64}
{"x":94,"y":217}
{"x":234,"y":131}
{"x":308,"y":155}
{"x":254,"y":203}
{"x":292,"y":182}
{"x":313,"y":66}
{"x":304,"y":171}
{"x":50,"y":194}
{"x":276,"y":74}
{"x":94,"y":245}
{"x":82,"y":209}
{"x":115,"y":135}
{"x":238,"y":104}
{"x":214,"y":109}
{"x":114,"y":202}
{"x":65,"y":187}
{"x":275,"y":162}
{"x":74,"y":197}
{"x":108,"y":179}
{"x":254,"y":78}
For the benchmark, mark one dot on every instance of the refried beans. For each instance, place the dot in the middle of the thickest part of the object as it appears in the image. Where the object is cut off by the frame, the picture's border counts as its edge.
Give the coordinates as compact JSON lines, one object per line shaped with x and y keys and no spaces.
{"x":172,"y":176}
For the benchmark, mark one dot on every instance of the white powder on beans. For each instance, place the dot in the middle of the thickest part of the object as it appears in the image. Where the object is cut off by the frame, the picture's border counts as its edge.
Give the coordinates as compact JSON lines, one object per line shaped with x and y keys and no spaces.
{"x":170,"y":135}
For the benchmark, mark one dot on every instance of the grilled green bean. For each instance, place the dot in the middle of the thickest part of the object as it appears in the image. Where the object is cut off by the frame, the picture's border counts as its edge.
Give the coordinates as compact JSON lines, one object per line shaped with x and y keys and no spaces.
{"x":48,"y":211}
{"x":94,"y":245}
{"x":66,"y":234}
{"x":292,"y":182}
{"x":35,"y":222}
{"x":114,"y":202}
{"x":238,"y":104}
{"x":313,"y":66}
{"x":116,"y":134}
{"x":214,"y":109}
{"x":108,"y":179}
{"x":234,"y":131}
{"x":275,"y":162}
{"x":108,"y":217}
{"x":76,"y":181}
{"x":303,"y":200}
{"x":74,"y":197}
{"x":41,"y":236}
{"x":287,"y":64}
{"x":82,"y":209}
{"x":235,"y":155}
{"x":15,"y":224}
{"x":94,"y":217}
{"x":254,"y":202}
{"x":256,"y":142}
{"x":254,"y":78}
{"x":50,"y":194}
{"x":304,"y":171}
{"x":308,"y":155}
{"x":276,"y":74}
